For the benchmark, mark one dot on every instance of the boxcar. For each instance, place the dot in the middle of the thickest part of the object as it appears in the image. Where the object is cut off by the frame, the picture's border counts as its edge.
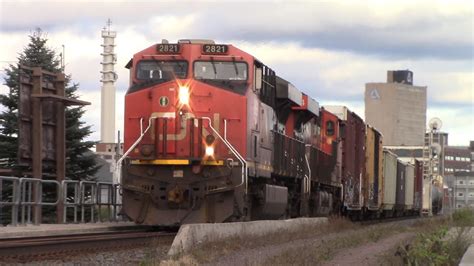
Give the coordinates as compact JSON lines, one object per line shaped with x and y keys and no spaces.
{"x":400,"y":190}
{"x":373,"y":169}
{"x":352,"y":133}
{"x":409,"y":186}
{"x":389,"y":181}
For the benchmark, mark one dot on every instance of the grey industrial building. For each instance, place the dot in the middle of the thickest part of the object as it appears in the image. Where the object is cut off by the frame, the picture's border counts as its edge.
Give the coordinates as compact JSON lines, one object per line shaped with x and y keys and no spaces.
{"x":459,"y":175}
{"x":397,"y":109}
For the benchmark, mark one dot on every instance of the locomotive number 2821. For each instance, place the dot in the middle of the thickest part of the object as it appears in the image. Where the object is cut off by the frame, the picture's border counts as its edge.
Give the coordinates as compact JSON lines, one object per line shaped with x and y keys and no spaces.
{"x":168,"y":48}
{"x":214,"y":49}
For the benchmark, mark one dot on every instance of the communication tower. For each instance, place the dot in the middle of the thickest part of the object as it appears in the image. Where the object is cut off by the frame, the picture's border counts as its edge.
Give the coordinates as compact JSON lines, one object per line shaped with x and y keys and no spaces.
{"x":108,"y":149}
{"x":109,"y":58}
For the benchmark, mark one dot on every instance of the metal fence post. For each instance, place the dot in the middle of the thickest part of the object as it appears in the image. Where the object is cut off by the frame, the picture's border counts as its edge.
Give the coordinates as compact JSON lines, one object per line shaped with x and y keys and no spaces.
{"x":27,"y":196}
{"x":16,"y":202}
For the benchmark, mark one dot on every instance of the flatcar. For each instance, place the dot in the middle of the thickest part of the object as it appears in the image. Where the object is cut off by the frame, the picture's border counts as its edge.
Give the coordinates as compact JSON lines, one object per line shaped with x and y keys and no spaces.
{"x":212,"y":134}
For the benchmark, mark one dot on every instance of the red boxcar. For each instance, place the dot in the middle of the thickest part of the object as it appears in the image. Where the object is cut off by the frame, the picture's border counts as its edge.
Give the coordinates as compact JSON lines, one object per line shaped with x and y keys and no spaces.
{"x":352,"y":134}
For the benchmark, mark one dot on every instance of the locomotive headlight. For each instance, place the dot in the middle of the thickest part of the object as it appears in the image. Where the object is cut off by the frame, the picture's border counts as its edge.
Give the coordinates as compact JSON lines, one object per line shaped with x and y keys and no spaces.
{"x":209,"y":151}
{"x":183,"y":95}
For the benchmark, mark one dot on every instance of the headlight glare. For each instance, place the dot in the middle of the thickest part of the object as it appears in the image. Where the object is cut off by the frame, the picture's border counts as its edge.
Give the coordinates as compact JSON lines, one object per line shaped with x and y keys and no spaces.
{"x":209,"y":151}
{"x":183,"y":95}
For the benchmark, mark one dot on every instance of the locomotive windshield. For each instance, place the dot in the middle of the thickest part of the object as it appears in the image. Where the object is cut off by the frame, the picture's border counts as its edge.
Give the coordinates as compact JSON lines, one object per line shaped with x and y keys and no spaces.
{"x":162,"y":70}
{"x":219,"y":70}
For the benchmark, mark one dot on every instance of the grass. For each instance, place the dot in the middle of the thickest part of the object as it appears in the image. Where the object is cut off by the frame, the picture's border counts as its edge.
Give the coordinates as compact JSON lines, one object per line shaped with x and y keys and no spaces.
{"x":324,"y":250}
{"x":443,"y":243}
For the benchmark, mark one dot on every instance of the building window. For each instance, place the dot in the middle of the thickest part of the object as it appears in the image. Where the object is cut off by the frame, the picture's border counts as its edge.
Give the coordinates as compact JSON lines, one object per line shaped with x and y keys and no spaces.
{"x":471,"y":195}
{"x":461,"y":182}
{"x":460,"y":194}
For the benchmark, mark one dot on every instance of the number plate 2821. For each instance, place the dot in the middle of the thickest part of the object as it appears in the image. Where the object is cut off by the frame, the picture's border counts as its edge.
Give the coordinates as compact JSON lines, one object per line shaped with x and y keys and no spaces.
{"x":215,"y":49}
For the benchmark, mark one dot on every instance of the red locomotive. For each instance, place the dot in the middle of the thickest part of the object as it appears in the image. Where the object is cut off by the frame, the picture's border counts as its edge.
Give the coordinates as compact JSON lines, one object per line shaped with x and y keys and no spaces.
{"x":213,"y":135}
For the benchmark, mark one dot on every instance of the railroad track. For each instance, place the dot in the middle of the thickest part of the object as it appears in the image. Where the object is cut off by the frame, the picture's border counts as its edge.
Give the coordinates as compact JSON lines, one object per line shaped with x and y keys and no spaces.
{"x":413,"y":218}
{"x":26,"y":249}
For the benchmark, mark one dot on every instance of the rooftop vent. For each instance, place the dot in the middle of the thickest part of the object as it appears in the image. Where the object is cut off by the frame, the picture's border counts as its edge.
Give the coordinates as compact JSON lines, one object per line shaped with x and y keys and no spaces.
{"x":196,"y":41}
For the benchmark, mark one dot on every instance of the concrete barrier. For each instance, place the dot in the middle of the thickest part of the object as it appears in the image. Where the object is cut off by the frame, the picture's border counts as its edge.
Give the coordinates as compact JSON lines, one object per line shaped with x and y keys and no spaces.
{"x":468,"y":258}
{"x":190,"y":235}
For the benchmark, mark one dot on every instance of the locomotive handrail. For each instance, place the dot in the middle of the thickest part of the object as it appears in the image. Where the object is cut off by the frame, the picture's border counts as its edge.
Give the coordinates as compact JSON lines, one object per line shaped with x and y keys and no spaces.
{"x":142,"y":134}
{"x":308,"y":184}
{"x":234,"y":151}
{"x":244,"y":161}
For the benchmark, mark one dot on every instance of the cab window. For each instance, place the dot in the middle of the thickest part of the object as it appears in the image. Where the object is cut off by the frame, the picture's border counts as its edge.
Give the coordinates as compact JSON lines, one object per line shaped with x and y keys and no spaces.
{"x":329,"y":128}
{"x":227,"y":75}
{"x":161,"y":70}
{"x":220,"y":70}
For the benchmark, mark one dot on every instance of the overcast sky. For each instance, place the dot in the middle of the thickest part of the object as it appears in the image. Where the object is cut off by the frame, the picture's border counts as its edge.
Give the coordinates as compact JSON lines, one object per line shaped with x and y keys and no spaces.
{"x":328,"y":49}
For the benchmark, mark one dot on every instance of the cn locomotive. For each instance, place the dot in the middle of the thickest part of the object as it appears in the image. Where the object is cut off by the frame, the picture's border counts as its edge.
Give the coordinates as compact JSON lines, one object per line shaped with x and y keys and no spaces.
{"x":212,"y":134}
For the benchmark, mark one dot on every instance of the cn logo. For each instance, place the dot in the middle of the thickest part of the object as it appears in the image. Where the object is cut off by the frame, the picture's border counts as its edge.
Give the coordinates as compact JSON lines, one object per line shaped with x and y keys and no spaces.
{"x":164,"y":101}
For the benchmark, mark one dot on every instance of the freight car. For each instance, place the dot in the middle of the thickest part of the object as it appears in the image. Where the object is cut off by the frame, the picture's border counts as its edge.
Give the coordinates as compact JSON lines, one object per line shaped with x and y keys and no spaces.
{"x":212,"y":134}
{"x":352,"y":138}
{"x":373,"y":178}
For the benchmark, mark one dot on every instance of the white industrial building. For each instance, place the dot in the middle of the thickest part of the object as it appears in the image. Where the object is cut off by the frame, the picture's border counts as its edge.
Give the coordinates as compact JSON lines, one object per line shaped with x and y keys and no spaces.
{"x":397,"y":109}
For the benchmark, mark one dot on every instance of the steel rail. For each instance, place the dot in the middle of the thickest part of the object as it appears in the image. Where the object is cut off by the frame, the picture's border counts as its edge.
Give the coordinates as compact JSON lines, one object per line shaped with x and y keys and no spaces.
{"x":25,"y":248}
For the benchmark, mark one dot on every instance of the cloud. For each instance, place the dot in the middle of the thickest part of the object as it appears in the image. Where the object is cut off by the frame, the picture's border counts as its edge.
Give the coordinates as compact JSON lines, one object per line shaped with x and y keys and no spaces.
{"x":328,"y":50}
{"x":392,"y":29}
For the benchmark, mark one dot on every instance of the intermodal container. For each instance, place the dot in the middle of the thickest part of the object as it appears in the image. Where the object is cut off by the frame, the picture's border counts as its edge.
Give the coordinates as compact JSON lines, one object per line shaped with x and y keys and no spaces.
{"x":389,"y":180}
{"x":409,"y":186}
{"x":352,"y":133}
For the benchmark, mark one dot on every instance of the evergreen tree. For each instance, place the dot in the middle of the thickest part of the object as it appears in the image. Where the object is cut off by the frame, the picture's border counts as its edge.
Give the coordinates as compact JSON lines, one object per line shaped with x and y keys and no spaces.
{"x":80,"y":163}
